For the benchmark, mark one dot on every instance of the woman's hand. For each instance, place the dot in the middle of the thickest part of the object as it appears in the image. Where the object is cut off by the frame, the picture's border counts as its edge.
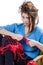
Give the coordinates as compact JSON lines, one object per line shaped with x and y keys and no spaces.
{"x":31,"y":43}
{"x":36,"y":43}
{"x":17,"y":36}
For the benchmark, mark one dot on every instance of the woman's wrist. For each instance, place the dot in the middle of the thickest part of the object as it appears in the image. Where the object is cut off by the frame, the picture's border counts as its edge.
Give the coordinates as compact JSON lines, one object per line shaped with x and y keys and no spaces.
{"x":25,"y":39}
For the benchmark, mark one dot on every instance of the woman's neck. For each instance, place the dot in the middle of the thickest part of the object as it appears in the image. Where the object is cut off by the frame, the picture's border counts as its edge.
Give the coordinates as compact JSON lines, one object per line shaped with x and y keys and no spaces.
{"x":26,"y":30}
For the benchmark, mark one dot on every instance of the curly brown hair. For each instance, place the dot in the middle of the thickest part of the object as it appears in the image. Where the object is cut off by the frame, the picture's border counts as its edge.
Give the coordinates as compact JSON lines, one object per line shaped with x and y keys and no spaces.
{"x":29,"y":8}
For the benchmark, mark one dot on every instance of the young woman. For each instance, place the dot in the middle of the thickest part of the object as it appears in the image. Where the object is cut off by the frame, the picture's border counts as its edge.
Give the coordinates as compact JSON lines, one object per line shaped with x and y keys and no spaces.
{"x":29,"y":29}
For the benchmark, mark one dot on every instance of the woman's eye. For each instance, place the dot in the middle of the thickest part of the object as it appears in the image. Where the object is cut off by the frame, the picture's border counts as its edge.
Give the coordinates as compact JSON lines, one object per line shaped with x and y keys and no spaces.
{"x":27,"y":17}
{"x":23,"y":17}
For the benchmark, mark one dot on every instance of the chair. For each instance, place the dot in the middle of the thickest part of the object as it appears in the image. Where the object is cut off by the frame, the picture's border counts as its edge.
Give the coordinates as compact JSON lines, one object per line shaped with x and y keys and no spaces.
{"x":39,"y":59}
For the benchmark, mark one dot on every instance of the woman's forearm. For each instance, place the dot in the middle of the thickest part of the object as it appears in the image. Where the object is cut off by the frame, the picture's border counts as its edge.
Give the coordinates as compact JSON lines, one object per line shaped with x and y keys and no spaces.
{"x":5,"y":32}
{"x":39,"y":45}
{"x":35,"y":43}
{"x":13,"y":35}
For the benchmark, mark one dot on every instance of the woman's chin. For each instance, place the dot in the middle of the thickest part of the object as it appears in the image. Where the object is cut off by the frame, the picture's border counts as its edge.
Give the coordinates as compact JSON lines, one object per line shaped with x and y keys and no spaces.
{"x":26,"y":24}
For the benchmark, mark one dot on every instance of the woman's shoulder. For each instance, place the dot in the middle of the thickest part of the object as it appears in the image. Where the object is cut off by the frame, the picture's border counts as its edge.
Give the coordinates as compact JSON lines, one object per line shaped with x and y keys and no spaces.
{"x":38,"y":31}
{"x":18,"y":24}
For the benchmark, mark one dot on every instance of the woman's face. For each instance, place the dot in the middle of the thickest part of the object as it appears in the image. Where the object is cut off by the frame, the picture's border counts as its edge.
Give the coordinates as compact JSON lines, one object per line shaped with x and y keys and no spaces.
{"x":25,"y":19}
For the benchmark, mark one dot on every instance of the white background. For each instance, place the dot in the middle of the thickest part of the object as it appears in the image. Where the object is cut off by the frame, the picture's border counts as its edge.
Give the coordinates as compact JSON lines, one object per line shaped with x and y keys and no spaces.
{"x":9,"y":11}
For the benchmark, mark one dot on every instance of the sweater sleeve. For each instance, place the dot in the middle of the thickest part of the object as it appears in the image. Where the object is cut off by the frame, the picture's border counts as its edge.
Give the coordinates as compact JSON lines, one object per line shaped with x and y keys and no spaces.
{"x":41,"y":39}
{"x":10,"y":28}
